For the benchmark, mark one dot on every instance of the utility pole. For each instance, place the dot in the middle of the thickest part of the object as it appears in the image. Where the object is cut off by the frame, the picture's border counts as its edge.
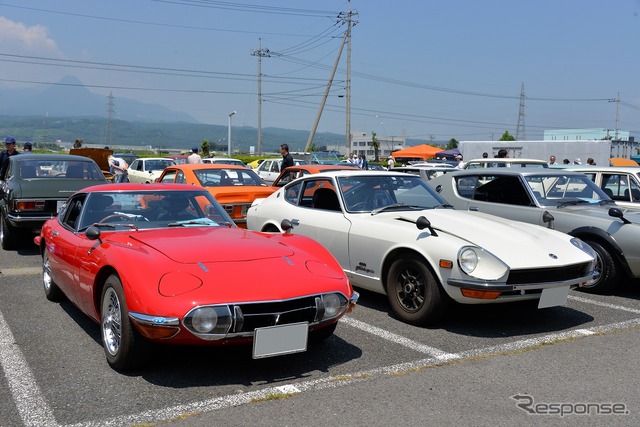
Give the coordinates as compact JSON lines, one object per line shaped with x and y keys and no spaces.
{"x":260,"y":52}
{"x":111,"y":112}
{"x":350,"y":23}
{"x":521,"y":117}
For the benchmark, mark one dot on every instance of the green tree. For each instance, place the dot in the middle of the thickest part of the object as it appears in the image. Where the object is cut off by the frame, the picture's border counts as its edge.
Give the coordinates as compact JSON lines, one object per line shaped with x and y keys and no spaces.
{"x":376,"y":147}
{"x":453,"y":143}
{"x":205,"y":148}
{"x":506,"y":136}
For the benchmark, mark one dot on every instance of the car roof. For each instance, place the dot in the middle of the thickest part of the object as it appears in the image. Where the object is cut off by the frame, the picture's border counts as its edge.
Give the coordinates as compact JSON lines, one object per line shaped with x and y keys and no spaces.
{"x":625,"y":169}
{"x":133,"y":187}
{"x":518,"y":171}
{"x":507,"y":160}
{"x":51,"y":157}
{"x":207,"y":166}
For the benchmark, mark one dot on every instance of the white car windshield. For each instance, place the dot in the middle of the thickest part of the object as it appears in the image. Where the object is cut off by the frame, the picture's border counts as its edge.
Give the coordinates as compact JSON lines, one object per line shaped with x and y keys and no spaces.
{"x":377,"y":193}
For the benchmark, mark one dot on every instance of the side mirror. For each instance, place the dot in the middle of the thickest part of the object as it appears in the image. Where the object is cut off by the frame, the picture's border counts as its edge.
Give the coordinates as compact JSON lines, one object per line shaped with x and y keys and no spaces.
{"x":93,"y":233}
{"x":617,"y":213}
{"x":547,"y":217}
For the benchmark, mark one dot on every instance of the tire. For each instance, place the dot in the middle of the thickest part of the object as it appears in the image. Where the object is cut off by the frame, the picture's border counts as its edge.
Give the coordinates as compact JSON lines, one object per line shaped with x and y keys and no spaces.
{"x":8,"y":235}
{"x":414,"y":293}
{"x":324,"y":333}
{"x":124,"y":347}
{"x":606,"y":268}
{"x":51,"y":290}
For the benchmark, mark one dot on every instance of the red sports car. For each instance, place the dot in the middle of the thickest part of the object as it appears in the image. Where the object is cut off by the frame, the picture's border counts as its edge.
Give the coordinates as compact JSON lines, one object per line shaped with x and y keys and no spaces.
{"x":165,"y":263}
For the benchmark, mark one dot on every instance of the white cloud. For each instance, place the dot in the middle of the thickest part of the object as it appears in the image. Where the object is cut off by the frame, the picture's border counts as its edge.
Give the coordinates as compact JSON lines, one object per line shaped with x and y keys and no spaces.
{"x":19,"y":38}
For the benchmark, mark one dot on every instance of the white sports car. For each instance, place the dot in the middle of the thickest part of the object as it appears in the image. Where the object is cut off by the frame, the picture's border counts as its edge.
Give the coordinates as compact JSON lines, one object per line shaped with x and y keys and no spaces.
{"x":395,"y":235}
{"x":147,"y":170}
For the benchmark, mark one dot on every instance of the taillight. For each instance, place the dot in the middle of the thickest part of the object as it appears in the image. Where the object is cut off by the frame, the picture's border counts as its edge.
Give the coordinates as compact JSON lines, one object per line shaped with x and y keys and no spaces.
{"x":28,"y":205}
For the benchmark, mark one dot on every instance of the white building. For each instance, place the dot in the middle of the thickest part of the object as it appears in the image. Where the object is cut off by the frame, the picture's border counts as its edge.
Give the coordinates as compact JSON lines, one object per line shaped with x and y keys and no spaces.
{"x":361,"y":143}
{"x":594,"y":134}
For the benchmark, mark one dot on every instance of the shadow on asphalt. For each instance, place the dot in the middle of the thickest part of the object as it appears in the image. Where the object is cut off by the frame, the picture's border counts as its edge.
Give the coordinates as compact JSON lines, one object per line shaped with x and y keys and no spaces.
{"x":493,"y":320}
{"x":193,"y":366}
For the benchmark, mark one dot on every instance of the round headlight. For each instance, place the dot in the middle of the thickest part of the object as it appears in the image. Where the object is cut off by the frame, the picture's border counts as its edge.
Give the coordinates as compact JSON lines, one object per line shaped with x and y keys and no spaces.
{"x":331,"y":305}
{"x":204,"y":319}
{"x":468,"y":260}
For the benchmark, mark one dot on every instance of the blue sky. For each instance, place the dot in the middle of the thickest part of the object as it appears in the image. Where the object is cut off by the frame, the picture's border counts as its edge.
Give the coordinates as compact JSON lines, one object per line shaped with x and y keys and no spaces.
{"x":435,"y":70}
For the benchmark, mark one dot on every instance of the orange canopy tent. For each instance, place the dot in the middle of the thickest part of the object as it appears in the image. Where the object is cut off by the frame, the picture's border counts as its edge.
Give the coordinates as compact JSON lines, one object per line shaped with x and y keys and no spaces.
{"x":619,"y":161}
{"x":422,"y":152}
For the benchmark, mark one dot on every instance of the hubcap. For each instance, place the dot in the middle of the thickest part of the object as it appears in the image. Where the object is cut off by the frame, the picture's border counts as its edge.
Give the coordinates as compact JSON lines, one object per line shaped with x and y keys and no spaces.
{"x":111,"y":322}
{"x":598,"y":270}
{"x":411,"y":290}
{"x":46,"y":274}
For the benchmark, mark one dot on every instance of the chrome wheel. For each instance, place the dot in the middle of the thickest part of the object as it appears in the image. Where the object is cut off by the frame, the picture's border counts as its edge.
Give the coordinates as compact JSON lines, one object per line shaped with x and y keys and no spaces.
{"x":51,"y":290}
{"x":111,"y":321}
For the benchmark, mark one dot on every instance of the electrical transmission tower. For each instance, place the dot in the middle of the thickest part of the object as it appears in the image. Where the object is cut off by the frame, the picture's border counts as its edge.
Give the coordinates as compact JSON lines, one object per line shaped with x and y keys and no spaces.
{"x":111,"y":114}
{"x":260,"y":53}
{"x":520,"y":129}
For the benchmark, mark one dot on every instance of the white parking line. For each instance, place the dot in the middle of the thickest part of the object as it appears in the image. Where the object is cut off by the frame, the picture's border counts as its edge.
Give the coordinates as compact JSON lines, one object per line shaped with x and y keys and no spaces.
{"x":604,"y":304}
{"x":398,"y":339}
{"x":33,"y":409}
{"x":229,"y":401}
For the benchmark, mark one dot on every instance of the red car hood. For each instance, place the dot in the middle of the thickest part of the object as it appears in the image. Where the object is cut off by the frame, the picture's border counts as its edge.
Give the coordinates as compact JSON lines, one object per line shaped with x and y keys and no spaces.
{"x":194,"y":244}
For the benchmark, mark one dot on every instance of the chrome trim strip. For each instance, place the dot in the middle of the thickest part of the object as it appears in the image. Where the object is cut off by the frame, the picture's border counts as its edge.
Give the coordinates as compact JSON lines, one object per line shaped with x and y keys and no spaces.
{"x":152,"y":320}
{"x":503,"y":287}
{"x":18,"y":218}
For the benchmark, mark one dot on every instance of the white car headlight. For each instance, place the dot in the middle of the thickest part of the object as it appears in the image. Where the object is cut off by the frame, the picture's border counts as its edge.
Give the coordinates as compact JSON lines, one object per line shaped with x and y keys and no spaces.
{"x":481,"y":264}
{"x":468,"y":259}
{"x":584,"y":247}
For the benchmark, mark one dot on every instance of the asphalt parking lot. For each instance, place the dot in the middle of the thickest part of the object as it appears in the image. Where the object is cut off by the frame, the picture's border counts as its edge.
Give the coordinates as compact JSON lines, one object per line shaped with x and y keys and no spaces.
{"x":483,"y":365}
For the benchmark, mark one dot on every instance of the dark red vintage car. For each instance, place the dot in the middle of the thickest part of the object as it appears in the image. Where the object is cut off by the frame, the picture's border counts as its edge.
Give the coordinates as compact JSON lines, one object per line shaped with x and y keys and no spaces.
{"x":165,"y":263}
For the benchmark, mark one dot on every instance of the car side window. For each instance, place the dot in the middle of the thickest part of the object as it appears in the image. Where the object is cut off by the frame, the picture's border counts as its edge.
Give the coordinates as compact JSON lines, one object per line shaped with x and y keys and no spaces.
{"x":72,"y":211}
{"x":275,"y":167}
{"x":292,"y":194}
{"x":502,"y":189}
{"x":169,"y":176}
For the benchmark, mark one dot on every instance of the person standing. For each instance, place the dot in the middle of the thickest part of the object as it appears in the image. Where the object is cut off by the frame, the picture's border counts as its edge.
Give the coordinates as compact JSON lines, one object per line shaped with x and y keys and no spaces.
{"x":364,"y":164}
{"x":460,"y":164}
{"x":351,"y":159}
{"x":10,"y":150}
{"x":194,"y":158}
{"x":390,"y":163}
{"x":552,"y":160}
{"x":287,"y":159}
{"x":118,"y":167}
{"x":27,"y":147}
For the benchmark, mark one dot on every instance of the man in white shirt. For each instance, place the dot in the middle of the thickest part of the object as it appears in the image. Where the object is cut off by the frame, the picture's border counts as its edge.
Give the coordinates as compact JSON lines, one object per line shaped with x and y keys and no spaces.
{"x":118,"y":167}
{"x":194,"y":158}
{"x":390,"y":163}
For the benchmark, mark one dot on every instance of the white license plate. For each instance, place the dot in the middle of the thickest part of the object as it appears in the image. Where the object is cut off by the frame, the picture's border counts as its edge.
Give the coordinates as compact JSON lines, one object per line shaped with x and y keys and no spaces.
{"x":59,"y":205}
{"x":279,"y":340}
{"x":553,"y":297}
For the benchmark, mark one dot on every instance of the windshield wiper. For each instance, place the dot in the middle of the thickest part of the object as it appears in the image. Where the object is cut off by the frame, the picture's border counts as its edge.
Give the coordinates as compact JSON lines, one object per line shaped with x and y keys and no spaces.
{"x":397,"y":206}
{"x":445,"y":205}
{"x":198,"y":221}
{"x":572,"y":203}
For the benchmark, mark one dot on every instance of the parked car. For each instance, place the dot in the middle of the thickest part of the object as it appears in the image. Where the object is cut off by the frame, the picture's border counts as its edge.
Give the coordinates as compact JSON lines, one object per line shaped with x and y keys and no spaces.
{"x":127,"y":157}
{"x":147,"y":170}
{"x":179,"y":159}
{"x":376,"y":167}
{"x":505,"y":162}
{"x":33,"y":189}
{"x":129,"y":257}
{"x":235,"y":187}
{"x":558,"y":199}
{"x":224,"y":161}
{"x":293,"y":172}
{"x":269,"y":169}
{"x":621,"y":183}
{"x":425,"y":172}
{"x":392,"y":234}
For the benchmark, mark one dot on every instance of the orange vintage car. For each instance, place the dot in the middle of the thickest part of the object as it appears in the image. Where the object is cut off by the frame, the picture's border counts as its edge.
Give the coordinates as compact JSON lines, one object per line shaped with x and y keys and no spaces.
{"x":234,"y":187}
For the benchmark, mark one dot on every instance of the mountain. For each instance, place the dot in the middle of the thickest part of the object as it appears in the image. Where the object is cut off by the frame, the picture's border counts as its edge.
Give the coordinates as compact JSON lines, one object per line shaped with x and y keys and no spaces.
{"x":69,"y":97}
